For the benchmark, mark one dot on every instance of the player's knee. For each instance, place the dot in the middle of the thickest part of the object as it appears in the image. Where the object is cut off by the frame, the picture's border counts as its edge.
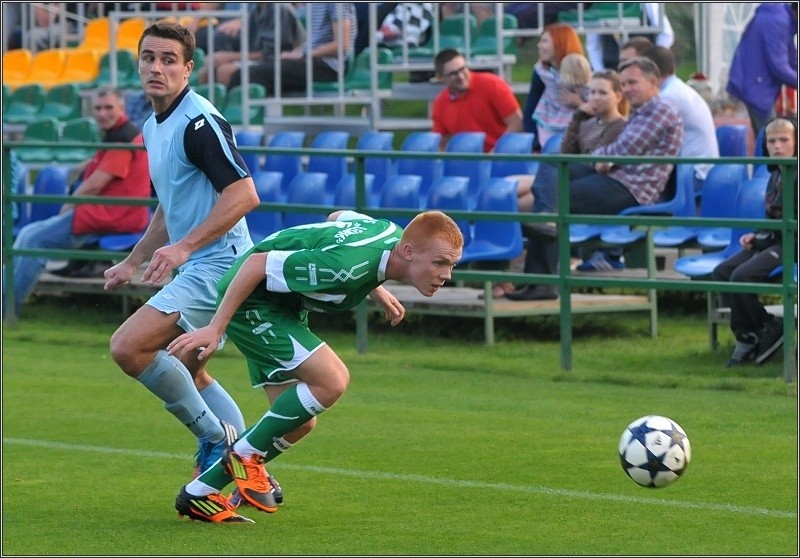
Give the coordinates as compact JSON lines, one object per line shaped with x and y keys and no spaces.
{"x":123,"y":353}
{"x":336,"y":383}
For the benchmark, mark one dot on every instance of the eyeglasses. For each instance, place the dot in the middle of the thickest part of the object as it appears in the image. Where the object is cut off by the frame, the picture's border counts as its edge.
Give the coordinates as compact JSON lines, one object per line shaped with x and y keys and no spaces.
{"x":455,"y":73}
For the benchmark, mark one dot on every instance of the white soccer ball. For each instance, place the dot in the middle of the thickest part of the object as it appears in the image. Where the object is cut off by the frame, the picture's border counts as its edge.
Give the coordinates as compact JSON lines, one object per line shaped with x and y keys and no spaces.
{"x":654,"y":451}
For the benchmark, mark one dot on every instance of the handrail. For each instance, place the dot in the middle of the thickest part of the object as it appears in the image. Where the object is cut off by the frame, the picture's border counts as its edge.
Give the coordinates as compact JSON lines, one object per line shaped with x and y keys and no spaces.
{"x":565,"y":281}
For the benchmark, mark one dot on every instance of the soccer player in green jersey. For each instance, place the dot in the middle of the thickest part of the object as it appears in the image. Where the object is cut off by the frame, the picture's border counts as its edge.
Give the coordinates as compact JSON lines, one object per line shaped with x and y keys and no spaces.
{"x":263,"y":306}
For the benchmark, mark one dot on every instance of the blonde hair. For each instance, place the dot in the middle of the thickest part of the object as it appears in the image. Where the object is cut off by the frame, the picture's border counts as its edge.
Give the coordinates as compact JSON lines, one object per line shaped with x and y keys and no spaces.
{"x":430,"y":225}
{"x":575,"y":70}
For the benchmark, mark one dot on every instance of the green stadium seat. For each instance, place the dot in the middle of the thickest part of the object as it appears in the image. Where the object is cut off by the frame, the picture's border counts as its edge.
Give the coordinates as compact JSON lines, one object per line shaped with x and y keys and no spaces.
{"x":199,"y":59}
{"x":232,"y":110}
{"x":62,"y":102}
{"x":127,"y":70}
{"x":24,"y":101}
{"x":82,"y":129}
{"x":452,"y":34}
{"x":43,"y":129}
{"x":485,"y":42}
{"x":358,"y":75}
{"x":215,"y":95}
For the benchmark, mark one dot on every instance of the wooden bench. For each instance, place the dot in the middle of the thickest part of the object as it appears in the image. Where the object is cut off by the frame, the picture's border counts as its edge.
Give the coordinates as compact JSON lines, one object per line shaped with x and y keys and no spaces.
{"x":464,"y":302}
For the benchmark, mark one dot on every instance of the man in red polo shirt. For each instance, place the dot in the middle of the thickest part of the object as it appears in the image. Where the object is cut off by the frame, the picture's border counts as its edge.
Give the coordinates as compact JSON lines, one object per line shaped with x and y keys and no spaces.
{"x":473,"y":102}
{"x":111,"y":172}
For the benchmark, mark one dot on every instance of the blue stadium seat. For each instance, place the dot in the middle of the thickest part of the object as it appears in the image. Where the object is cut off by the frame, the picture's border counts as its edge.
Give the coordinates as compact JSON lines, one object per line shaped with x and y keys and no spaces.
{"x":553,"y":144}
{"x":749,"y":205}
{"x":401,"y":191}
{"x":306,"y":188}
{"x":514,"y":142}
{"x":428,"y":169}
{"x":263,"y":223}
{"x":495,"y":240}
{"x":51,"y":180}
{"x":288,"y":165}
{"x":732,"y":140}
{"x":345,"y":194}
{"x":477,"y":170}
{"x":450,"y":193}
{"x":379,"y":167}
{"x":250,"y":138}
{"x":334,"y":167}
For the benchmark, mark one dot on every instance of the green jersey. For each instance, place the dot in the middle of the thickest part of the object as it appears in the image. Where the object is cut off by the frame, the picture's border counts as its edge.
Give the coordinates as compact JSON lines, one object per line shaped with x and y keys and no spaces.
{"x":330,"y":266}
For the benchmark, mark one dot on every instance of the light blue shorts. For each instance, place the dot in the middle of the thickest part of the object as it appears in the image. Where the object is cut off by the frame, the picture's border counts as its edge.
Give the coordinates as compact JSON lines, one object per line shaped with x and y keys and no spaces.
{"x":192,"y":293}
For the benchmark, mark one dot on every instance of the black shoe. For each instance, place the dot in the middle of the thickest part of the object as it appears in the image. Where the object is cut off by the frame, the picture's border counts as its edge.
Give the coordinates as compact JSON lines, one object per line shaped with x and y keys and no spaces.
{"x":745,"y":350}
{"x":538,"y":292}
{"x":769,"y":340}
{"x":214,"y":508}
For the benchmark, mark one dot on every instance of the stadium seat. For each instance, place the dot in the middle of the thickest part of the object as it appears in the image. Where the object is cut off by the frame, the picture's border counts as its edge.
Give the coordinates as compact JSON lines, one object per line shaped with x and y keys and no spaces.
{"x":514,"y":143}
{"x":47,"y":67}
{"x":359,"y":74}
{"x":485,"y":41}
{"x":749,"y":205}
{"x":250,"y":138}
{"x":732,"y":140}
{"x":553,"y":144}
{"x":289,"y":165}
{"x":51,"y":180}
{"x":16,"y":67}
{"x":43,"y":129}
{"x":96,"y":35}
{"x":23,"y":208}
{"x":306,"y":188}
{"x":82,"y":129}
{"x":199,"y":59}
{"x":335,"y":167}
{"x":449,"y":193}
{"x":80,"y":68}
{"x":455,"y":31}
{"x":25,"y":101}
{"x":263,"y":223}
{"x":127,"y":70}
{"x":401,"y":191}
{"x":345,"y":193}
{"x":215,"y":95}
{"x":233,"y":109}
{"x":428,"y":169}
{"x":494,"y":240}
{"x":129,"y":31}
{"x":478,"y":170}
{"x":62,"y":102}
{"x":720,"y":189}
{"x":380,"y":167}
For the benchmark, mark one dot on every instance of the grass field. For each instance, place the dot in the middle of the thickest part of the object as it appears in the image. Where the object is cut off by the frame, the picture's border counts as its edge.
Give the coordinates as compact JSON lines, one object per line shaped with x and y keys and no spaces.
{"x":440,"y":446}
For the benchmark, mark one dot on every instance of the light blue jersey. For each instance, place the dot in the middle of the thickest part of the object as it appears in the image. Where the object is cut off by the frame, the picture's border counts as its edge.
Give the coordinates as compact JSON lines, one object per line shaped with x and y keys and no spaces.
{"x":193,"y":157}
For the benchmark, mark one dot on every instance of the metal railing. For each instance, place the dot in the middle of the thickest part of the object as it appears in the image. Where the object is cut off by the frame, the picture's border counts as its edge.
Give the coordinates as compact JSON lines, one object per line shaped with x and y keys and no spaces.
{"x":565,"y":280}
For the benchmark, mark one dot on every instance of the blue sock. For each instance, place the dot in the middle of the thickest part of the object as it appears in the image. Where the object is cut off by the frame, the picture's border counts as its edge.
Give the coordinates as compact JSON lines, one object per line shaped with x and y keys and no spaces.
{"x":171,"y":382}
{"x":223,"y":405}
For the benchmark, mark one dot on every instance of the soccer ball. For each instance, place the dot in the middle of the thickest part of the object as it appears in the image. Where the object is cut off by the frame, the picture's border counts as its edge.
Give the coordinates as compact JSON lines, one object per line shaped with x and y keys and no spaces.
{"x":654,"y":451}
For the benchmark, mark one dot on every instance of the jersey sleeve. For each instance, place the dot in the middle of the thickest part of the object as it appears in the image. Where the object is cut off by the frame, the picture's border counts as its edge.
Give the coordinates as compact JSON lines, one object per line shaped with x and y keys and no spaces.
{"x":210,"y":146}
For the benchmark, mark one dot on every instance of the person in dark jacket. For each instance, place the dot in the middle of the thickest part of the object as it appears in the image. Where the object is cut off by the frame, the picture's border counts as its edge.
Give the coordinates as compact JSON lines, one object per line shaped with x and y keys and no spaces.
{"x":765,"y":59}
{"x":759,"y":334}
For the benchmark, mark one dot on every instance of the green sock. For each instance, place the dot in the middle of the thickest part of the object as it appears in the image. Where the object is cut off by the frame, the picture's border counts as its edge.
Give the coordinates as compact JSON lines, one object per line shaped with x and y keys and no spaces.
{"x":292,"y":408}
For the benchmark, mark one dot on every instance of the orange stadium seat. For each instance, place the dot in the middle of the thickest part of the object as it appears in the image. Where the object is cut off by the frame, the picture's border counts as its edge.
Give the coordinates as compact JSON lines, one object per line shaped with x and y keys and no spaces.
{"x":129,"y":32}
{"x":96,"y":35}
{"x":16,"y":66}
{"x":80,"y":68}
{"x":47,"y":67}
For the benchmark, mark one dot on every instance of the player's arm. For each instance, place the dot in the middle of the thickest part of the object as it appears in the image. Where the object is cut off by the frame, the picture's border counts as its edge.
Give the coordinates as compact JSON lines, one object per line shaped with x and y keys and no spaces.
{"x":392,"y":308}
{"x":205,"y":339}
{"x":154,"y":237}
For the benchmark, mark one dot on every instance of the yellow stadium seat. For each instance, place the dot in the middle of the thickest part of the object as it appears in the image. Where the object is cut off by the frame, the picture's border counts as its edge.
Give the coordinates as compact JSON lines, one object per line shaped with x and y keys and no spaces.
{"x":47,"y":67}
{"x":129,"y":32}
{"x":16,"y":66}
{"x":96,"y":35}
{"x":80,"y":68}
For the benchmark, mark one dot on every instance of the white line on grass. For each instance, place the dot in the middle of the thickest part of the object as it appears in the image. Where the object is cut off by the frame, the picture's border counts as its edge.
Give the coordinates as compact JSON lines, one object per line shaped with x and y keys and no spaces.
{"x":582,"y":494}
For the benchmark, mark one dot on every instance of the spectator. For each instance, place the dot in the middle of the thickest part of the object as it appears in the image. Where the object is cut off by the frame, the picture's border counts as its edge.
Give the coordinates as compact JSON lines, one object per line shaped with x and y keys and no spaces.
{"x":409,"y":22}
{"x":636,"y":46}
{"x":472,"y":101}
{"x":655,"y":129}
{"x":604,"y":51}
{"x":226,"y":57}
{"x":543,"y":114}
{"x":596,"y":123}
{"x":109,"y":173}
{"x":330,"y":25}
{"x":765,"y":59}
{"x":382,"y":9}
{"x":700,"y":134}
{"x":758,"y":334}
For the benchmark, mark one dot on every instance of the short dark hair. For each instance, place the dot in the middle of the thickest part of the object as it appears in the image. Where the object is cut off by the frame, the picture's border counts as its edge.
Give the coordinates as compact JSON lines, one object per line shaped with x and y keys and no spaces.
{"x":639,"y":44}
{"x":174,"y":31}
{"x":443,"y":58}
{"x":647,"y":66}
{"x":663,"y":57}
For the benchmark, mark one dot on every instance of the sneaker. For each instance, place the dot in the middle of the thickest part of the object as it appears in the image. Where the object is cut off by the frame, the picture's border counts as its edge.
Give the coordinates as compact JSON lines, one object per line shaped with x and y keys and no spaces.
{"x":252,"y":480}
{"x":769,"y":340}
{"x":600,"y":261}
{"x":209,"y":452}
{"x":214,"y":508}
{"x":236,"y":499}
{"x":744,"y":351}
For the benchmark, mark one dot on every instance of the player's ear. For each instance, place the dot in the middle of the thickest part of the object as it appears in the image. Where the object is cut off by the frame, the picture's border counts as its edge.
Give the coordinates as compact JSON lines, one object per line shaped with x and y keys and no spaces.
{"x":189,"y":68}
{"x":407,"y":251}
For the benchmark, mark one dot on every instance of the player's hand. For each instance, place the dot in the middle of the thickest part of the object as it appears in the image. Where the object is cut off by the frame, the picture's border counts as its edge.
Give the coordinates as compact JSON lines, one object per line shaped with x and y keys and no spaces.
{"x":746,"y":241}
{"x":392,"y":308}
{"x":118,"y":275}
{"x":204,"y":340}
{"x":163,"y":262}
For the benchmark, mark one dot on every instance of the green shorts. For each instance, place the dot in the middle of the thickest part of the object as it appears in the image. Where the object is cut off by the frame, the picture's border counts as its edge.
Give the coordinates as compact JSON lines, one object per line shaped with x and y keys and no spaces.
{"x":273,"y":342}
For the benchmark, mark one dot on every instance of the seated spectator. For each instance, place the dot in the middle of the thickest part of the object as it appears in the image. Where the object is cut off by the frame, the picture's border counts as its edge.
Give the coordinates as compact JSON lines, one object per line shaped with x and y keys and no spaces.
{"x":490,"y":106}
{"x":330,"y":24}
{"x":604,"y":50}
{"x":758,"y":334}
{"x":700,"y":133}
{"x":409,"y":23}
{"x":597,"y":122}
{"x":109,"y":173}
{"x":226,"y":58}
{"x":544,"y":114}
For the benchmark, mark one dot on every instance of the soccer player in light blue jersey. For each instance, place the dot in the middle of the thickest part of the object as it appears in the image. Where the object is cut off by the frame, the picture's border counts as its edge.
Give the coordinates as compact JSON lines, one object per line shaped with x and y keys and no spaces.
{"x":198,"y":230}
{"x":264,"y":301}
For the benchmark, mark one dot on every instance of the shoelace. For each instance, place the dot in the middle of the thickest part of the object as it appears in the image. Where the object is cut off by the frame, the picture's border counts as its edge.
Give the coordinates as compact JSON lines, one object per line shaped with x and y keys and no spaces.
{"x":256,"y":473}
{"x":222,"y":500}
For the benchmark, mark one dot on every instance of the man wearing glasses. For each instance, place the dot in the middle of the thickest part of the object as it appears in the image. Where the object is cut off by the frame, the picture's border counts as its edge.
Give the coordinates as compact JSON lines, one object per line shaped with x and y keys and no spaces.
{"x":472,"y":102}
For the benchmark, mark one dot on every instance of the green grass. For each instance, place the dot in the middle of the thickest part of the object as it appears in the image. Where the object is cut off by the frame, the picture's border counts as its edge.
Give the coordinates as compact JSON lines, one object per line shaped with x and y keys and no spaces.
{"x":440,"y":446}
